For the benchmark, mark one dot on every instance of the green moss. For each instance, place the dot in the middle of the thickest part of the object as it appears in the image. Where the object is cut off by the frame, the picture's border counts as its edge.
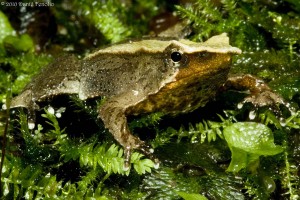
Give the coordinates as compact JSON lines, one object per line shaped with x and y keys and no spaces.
{"x":6,"y":28}
{"x":17,"y":59}
{"x":117,"y":21}
{"x":21,"y":68}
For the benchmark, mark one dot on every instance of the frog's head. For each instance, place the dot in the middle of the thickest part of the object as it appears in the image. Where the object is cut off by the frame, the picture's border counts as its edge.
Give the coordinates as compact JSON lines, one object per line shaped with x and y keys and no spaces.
{"x":201,"y":68}
{"x":200,"y":59}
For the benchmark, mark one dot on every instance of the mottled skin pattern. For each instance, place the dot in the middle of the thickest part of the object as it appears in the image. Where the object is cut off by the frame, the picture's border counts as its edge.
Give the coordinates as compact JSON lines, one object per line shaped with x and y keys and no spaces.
{"x":189,"y":91}
{"x":136,"y":77}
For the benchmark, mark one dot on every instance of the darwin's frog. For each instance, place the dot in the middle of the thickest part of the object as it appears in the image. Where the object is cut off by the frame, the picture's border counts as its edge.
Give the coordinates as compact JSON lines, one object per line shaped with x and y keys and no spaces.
{"x":170,"y":76}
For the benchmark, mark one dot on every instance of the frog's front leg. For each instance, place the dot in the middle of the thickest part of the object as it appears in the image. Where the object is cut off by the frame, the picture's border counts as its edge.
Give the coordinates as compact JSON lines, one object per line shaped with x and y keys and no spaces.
{"x":260,"y":93}
{"x":113,"y":116}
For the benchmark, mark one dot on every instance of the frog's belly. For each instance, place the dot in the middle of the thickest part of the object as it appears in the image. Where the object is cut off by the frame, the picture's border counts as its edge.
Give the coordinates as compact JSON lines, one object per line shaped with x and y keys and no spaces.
{"x":181,"y":96}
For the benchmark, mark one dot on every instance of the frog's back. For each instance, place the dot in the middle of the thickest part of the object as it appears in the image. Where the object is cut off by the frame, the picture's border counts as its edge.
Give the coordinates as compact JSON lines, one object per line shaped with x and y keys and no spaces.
{"x":107,"y":74}
{"x":59,"y":77}
{"x":113,"y":74}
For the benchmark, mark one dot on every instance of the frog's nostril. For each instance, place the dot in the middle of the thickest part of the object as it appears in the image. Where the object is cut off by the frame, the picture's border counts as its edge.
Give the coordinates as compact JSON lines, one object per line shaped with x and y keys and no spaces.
{"x":204,"y":54}
{"x":176,"y":56}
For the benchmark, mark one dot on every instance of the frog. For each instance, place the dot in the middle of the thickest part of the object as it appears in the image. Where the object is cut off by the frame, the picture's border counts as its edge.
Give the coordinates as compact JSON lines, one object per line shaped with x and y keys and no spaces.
{"x":171,"y":76}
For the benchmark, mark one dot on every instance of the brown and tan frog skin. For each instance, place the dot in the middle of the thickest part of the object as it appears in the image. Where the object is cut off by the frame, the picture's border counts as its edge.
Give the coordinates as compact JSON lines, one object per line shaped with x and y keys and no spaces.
{"x":173,"y":76}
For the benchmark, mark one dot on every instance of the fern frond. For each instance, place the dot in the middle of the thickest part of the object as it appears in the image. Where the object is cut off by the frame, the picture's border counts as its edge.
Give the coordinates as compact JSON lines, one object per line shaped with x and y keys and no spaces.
{"x":268,"y":117}
{"x":111,"y":159}
{"x":146,"y":121}
{"x":93,"y":154}
{"x":290,"y":178}
{"x":293,"y":121}
{"x":199,"y":132}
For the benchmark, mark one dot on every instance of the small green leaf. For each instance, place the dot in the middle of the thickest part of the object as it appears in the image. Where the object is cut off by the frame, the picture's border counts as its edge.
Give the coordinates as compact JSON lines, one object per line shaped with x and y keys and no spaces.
{"x":144,"y":165}
{"x":20,"y":44}
{"x":247,"y":141}
{"x":6,"y":28}
{"x":193,"y":196}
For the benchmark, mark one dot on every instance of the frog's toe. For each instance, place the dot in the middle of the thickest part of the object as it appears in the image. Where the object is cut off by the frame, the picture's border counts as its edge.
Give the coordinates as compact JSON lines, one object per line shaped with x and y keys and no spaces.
{"x":148,"y":151}
{"x":127,"y":157}
{"x":265,"y":98}
{"x":142,"y":147}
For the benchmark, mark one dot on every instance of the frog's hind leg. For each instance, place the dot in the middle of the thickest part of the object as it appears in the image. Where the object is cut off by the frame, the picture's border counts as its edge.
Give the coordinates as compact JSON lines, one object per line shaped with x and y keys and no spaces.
{"x":25,"y":100}
{"x":114,"y":119}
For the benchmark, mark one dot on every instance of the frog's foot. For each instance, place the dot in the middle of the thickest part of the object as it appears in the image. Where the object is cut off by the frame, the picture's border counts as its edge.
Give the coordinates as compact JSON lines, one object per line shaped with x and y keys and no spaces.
{"x":148,"y":151}
{"x":140,"y":146}
{"x":31,"y":119}
{"x":130,"y":144}
{"x":264,"y":98}
{"x":261,"y":94}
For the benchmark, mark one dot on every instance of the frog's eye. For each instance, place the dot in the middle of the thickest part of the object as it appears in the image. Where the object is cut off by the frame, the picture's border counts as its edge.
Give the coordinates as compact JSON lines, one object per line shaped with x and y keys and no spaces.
{"x":176,"y":56}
